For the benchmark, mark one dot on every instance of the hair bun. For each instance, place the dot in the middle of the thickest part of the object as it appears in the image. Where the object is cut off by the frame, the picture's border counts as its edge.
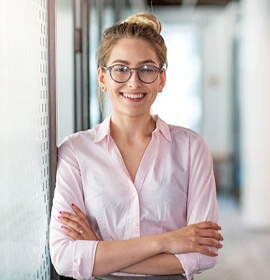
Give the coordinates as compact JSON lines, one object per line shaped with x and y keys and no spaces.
{"x":145,"y":19}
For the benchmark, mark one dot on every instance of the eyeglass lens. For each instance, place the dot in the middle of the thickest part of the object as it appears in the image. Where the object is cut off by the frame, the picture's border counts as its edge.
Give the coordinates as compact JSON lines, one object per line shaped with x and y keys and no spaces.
{"x":146,"y":73}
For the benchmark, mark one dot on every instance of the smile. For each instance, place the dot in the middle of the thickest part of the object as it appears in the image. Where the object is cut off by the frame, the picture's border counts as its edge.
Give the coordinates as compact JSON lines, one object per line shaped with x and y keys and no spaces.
{"x":133,"y":95}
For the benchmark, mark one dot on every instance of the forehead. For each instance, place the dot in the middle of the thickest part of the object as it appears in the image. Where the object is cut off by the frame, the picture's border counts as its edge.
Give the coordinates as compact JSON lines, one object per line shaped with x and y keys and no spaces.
{"x":133,"y":51}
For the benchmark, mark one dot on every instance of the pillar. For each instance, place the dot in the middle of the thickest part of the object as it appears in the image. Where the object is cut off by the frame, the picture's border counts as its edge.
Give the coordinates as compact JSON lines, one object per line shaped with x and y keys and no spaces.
{"x":255,"y":112}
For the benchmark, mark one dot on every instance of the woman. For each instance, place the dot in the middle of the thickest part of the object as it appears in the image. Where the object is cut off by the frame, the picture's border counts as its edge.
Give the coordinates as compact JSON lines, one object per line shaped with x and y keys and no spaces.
{"x":134,"y":196}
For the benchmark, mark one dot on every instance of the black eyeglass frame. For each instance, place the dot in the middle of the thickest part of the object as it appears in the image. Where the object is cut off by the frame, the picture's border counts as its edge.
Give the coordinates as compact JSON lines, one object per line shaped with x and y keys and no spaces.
{"x":109,"y":68}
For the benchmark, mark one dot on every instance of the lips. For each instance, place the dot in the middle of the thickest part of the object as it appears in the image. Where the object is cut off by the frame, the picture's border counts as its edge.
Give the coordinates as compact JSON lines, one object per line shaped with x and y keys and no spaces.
{"x":133,"y":95}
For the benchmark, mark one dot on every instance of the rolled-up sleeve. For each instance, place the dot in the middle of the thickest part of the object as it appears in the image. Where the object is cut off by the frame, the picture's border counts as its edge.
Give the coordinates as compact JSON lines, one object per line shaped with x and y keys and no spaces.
{"x":70,"y":258}
{"x":201,"y":204}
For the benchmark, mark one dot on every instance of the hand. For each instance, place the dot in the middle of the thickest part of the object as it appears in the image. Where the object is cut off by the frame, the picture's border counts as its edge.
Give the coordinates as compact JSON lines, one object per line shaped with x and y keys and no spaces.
{"x":198,"y":238}
{"x":76,"y":225}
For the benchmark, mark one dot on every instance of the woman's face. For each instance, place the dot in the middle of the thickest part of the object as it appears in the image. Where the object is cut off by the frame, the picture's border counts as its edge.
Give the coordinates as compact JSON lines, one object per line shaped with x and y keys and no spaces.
{"x":133,"y":97}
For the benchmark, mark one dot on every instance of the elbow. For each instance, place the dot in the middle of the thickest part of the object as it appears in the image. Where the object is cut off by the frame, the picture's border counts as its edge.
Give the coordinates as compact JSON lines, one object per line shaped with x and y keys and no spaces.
{"x":73,"y":259}
{"x":207,"y":262}
{"x":62,"y":264}
{"x":194,"y":263}
{"x":61,"y":271}
{"x":60,"y":268}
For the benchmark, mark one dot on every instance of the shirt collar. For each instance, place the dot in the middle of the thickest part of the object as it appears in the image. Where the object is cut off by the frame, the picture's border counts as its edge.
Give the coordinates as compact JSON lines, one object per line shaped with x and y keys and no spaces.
{"x":104,"y":129}
{"x":163,"y":127}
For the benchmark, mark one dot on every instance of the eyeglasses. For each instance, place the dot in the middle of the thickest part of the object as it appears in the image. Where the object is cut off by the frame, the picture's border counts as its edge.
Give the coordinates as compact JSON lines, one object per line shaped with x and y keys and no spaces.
{"x":121,"y":73}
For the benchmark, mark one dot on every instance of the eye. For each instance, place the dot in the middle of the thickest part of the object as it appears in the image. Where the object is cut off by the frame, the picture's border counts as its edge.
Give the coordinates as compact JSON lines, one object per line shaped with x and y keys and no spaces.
{"x":148,"y":69}
{"x":120,"y":68}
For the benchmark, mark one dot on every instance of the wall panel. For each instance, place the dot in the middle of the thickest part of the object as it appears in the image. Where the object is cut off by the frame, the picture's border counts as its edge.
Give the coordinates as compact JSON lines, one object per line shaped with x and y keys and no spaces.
{"x":24,"y":142}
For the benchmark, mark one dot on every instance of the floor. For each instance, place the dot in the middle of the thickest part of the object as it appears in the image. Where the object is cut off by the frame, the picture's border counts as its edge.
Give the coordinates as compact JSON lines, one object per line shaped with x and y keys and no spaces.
{"x":245,"y":254}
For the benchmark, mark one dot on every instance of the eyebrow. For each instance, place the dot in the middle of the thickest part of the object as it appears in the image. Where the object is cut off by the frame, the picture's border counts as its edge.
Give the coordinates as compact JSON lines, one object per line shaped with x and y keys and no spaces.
{"x":140,"y":63}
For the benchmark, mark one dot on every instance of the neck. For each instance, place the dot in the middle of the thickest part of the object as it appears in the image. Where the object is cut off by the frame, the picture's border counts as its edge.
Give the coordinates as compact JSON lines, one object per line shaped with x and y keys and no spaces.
{"x":132,"y":127}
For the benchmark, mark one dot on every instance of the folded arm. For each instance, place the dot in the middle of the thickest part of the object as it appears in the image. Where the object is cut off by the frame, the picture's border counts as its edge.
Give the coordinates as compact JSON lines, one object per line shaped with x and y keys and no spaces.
{"x":162,"y":264}
{"x":145,"y":255}
{"x":76,"y":251}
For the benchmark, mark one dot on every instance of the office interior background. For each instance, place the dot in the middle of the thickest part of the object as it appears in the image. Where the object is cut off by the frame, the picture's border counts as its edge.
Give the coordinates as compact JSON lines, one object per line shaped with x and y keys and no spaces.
{"x":218,"y":84}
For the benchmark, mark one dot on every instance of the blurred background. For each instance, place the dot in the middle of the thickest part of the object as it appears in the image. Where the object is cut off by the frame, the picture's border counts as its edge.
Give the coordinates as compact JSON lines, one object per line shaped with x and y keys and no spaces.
{"x":218,"y":84}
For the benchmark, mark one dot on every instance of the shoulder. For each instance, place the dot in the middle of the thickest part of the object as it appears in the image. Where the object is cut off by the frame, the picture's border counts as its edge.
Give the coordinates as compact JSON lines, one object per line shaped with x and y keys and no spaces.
{"x":79,"y":139}
{"x":182,"y":137}
{"x":191,"y":136}
{"x":176,"y":132}
{"x":180,"y":131}
{"x":190,"y":144}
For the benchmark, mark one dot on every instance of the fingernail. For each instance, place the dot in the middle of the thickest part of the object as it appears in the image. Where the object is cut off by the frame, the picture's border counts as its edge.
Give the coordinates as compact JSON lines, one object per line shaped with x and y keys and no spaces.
{"x":60,"y":217}
{"x":61,"y":212}
{"x":73,"y":205}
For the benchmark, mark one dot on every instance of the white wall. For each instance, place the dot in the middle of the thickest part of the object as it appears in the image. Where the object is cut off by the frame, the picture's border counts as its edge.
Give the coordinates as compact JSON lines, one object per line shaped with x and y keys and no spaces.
{"x":255,"y":112}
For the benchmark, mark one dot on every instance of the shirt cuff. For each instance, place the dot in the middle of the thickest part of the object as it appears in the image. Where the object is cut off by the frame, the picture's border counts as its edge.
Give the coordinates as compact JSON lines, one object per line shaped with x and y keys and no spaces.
{"x":83,"y":259}
{"x":190,"y":263}
{"x":194,"y":263}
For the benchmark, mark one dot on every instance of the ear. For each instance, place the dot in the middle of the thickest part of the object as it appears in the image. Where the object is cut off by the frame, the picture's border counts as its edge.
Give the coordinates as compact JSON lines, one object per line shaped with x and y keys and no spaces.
{"x":101,"y":79}
{"x":162,"y":81}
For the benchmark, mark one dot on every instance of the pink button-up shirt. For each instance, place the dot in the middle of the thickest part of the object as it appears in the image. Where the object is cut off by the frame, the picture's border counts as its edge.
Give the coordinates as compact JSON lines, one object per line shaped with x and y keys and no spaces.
{"x":174,"y":187}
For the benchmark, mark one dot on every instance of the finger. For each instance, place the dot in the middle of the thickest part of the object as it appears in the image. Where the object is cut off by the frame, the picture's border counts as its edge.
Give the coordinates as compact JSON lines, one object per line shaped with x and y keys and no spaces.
{"x":73,"y":225}
{"x":208,"y":225}
{"x":80,"y":214}
{"x":73,"y":218}
{"x":73,"y":234}
{"x":206,"y":251}
{"x":210,"y":242}
{"x":212,"y":234}
{"x":76,"y":224}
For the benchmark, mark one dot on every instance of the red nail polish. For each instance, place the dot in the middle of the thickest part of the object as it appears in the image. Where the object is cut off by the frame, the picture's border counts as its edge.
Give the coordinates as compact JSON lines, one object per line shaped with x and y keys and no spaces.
{"x":59,"y":217}
{"x":73,"y":205}
{"x":61,"y":212}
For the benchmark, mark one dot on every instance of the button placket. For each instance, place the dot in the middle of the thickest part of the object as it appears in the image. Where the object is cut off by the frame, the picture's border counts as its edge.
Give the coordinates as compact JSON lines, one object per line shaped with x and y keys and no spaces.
{"x":134,"y":215}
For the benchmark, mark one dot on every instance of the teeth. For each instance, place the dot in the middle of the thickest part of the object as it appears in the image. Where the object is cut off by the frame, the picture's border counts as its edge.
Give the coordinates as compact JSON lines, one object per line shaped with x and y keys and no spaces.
{"x":133,"y":96}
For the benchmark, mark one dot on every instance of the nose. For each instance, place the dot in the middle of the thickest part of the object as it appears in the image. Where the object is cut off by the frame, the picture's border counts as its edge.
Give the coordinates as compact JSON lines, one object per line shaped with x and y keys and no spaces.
{"x":134,"y":81}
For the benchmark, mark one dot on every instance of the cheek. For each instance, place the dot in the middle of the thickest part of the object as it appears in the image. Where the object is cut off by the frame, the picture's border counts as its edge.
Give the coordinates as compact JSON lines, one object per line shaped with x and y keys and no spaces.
{"x":112,"y":90}
{"x":156,"y":89}
{"x":154,"y":95}
{"x":106,"y":80}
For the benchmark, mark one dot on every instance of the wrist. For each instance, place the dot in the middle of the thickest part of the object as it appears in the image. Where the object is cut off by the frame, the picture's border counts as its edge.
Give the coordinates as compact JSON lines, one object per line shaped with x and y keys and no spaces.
{"x":160,"y":243}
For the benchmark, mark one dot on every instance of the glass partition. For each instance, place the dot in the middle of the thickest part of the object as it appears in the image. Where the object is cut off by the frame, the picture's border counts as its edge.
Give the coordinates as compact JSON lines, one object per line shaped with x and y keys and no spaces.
{"x":24,"y":142}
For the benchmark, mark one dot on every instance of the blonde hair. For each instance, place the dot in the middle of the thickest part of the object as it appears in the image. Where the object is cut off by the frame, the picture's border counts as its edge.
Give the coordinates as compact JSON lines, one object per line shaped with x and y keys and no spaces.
{"x":145,"y":19}
{"x":144,"y":26}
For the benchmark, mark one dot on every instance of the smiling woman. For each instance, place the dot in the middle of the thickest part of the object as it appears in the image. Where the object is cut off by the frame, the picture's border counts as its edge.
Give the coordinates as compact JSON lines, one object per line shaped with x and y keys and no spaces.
{"x":134,"y":55}
{"x":155,"y":210}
